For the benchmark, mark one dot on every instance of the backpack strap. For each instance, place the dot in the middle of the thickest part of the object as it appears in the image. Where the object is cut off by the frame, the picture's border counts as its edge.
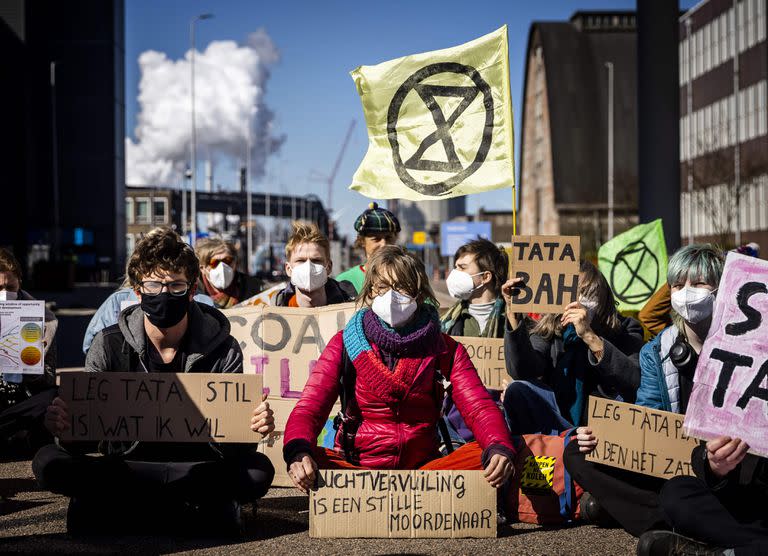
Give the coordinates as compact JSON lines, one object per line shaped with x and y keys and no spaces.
{"x":567,"y":499}
{"x":343,"y":422}
{"x":443,"y":376}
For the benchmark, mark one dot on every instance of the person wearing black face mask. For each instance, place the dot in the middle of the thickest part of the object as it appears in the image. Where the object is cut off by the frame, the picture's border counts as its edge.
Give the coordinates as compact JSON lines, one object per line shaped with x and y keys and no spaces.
{"x":148,"y":484}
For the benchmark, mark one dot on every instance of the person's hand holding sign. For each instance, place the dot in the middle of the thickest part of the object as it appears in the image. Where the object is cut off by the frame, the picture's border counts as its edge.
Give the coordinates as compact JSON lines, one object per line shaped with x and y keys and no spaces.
{"x":724,"y":454}
{"x":303,"y":472}
{"x":510,"y":290}
{"x":576,"y":314}
{"x":498,"y":470}
{"x":586,"y":440}
{"x":263,"y":420}
{"x":57,"y":417}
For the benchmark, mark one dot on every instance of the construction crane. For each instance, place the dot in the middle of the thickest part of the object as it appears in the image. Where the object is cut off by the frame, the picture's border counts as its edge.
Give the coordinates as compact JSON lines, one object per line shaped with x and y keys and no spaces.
{"x":332,"y":177}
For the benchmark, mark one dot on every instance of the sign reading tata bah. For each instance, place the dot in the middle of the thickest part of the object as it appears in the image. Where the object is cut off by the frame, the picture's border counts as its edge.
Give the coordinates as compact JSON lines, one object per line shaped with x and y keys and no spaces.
{"x":455,"y":234}
{"x":439,"y":123}
{"x":549,"y":267}
{"x":730,"y":390}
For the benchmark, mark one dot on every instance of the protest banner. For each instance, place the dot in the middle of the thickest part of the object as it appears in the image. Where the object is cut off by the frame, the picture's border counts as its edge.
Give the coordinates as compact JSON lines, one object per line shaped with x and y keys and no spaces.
{"x":160,"y":407}
{"x":21,"y":337}
{"x":420,"y":148}
{"x":730,"y":391}
{"x":549,"y":265}
{"x":635,"y":264}
{"x":639,"y":439}
{"x":282,"y":344}
{"x":487,"y":355}
{"x":402,"y":504}
{"x":266,"y":297}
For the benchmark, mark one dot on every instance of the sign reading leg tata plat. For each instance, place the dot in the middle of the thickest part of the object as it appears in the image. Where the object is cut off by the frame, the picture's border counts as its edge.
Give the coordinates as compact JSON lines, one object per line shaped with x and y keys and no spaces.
{"x":730,"y":391}
{"x":21,"y":337}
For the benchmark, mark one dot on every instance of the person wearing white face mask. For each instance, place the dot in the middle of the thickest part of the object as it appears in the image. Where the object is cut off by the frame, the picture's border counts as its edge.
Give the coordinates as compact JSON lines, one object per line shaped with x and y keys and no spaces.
{"x":480,"y":269}
{"x":308,"y":265}
{"x":219,"y":277}
{"x":24,"y":398}
{"x":392,"y":359}
{"x":667,"y":365}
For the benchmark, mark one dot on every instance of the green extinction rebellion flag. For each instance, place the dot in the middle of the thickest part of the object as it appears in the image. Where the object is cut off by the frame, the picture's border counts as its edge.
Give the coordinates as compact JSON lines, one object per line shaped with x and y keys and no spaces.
{"x":635,"y":264}
{"x":439,"y":123}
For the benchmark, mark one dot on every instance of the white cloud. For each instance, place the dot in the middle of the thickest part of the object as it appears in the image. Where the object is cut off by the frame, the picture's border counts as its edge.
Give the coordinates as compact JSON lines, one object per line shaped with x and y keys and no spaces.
{"x":230,"y":82}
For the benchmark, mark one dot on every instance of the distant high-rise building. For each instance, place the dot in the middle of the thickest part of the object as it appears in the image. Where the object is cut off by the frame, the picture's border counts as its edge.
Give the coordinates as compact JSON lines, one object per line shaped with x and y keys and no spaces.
{"x":724,"y":122}
{"x":564,"y":146}
{"x":62,"y":144}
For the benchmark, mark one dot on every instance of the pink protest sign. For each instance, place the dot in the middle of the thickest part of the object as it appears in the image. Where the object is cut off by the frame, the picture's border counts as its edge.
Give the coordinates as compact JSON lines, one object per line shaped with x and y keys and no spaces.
{"x":730,"y":390}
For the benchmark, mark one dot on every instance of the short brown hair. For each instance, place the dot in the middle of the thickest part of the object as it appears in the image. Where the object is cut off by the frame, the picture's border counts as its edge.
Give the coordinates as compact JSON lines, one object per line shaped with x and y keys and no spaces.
{"x":406,"y":267}
{"x":307,"y":232}
{"x":8,"y":263}
{"x":360,"y":239}
{"x":162,"y":249}
{"x":208,"y":247}
{"x":489,"y":258}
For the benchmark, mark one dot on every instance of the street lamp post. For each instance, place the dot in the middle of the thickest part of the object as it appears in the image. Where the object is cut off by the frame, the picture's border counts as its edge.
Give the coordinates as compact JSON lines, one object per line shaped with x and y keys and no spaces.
{"x":193,"y":147}
{"x":609,"y":65}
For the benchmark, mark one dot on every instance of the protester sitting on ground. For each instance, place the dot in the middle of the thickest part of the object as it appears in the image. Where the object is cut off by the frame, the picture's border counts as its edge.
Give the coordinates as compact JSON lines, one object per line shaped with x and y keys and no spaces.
{"x":587,"y":349}
{"x":392,"y":350}
{"x":219,"y":277}
{"x":198,"y":487}
{"x":109,"y":311}
{"x":722,"y":510}
{"x":479,"y":271}
{"x":375,"y":228}
{"x":308,"y":265}
{"x":24,"y":398}
{"x":667,"y":366}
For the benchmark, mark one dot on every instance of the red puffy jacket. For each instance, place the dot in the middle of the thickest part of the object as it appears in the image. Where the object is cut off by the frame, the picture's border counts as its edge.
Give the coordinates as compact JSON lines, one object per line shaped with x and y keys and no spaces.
{"x":403,"y":435}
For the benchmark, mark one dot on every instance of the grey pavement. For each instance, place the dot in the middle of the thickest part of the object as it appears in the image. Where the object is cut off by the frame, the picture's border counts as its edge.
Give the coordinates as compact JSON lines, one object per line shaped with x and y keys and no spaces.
{"x":33,"y":521}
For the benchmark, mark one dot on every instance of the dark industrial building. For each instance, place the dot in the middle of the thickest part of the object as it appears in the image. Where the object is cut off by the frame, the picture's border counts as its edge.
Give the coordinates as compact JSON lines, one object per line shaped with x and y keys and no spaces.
{"x":564,"y":147}
{"x":63,"y":114}
{"x":724,"y":122}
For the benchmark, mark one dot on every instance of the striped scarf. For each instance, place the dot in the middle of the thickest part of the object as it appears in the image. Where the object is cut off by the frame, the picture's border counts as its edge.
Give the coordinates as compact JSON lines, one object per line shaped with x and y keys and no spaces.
{"x":409,"y":344}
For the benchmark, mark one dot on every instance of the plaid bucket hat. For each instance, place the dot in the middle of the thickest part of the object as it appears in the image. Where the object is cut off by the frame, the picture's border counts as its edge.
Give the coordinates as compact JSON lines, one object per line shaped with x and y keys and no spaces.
{"x":375,"y":220}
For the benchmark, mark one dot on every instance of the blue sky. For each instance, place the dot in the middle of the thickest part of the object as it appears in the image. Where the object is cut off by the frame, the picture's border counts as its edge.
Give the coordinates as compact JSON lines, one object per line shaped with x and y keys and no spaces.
{"x":320,"y":42}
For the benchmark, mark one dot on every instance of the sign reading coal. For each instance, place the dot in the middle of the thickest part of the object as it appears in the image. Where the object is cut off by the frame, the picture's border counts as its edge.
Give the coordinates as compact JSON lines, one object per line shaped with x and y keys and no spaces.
{"x":160,"y":407}
{"x":549,"y":267}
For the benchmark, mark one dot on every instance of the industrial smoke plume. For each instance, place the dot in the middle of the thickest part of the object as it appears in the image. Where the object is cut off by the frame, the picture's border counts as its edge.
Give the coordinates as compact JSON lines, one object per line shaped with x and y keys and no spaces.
{"x":230,"y":82}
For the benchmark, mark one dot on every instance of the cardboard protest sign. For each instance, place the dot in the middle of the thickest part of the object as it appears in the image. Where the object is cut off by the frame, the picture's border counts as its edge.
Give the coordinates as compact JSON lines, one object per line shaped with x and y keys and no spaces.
{"x":282,"y":344}
{"x":487,"y":354}
{"x":21,"y":337}
{"x":730,"y":390}
{"x":402,"y":504}
{"x":161,"y":407}
{"x":635,"y":264}
{"x":549,"y":265}
{"x":639,"y":439}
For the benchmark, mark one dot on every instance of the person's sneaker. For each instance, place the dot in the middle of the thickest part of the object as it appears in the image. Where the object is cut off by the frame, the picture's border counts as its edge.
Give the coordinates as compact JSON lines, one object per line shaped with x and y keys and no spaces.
{"x":663,"y":543}
{"x":220,"y":518}
{"x":593,"y":512}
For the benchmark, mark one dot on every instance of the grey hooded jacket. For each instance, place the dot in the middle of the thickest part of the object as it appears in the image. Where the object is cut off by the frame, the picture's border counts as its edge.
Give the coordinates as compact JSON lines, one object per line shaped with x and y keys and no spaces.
{"x":209,"y":348}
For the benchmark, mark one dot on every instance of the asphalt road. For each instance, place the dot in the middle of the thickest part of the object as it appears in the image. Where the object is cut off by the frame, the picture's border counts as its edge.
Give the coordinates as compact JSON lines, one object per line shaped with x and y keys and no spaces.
{"x":33,"y":521}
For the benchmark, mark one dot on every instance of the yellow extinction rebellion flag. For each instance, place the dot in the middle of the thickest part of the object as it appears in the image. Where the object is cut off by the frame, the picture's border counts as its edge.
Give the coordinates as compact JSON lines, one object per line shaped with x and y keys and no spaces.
{"x":439,"y":123}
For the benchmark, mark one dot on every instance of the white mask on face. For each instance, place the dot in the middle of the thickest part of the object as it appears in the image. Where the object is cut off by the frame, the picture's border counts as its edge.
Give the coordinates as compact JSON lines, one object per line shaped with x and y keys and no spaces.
{"x":309,"y":276}
{"x":590,"y":305}
{"x":460,"y":284}
{"x":394,"y":308}
{"x":221,"y":276}
{"x":693,"y":304}
{"x":6,"y":295}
